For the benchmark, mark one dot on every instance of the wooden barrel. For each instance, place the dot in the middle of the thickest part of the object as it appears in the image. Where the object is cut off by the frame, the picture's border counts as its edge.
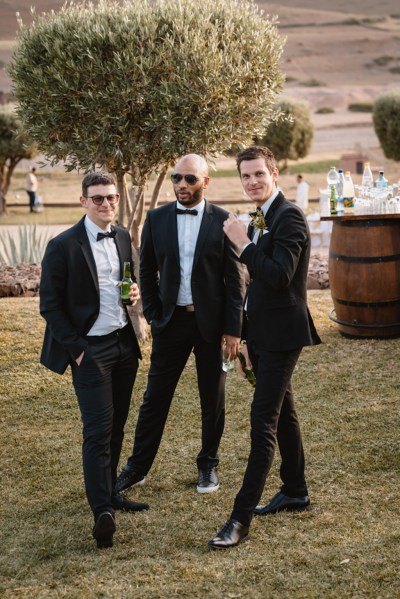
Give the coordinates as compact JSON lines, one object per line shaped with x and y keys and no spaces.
{"x":364,"y":275}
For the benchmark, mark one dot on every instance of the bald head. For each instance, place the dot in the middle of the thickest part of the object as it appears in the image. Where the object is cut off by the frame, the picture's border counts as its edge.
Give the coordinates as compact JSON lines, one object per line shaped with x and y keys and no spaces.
{"x":190,"y":179}
{"x":193,"y":163}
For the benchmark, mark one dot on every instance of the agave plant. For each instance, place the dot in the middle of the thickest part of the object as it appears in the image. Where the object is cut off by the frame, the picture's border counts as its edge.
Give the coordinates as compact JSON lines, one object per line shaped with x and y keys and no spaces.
{"x":26,"y":248}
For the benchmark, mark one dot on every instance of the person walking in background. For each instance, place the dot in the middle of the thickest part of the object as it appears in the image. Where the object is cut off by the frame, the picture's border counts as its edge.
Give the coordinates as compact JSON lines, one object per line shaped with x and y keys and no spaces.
{"x":192,"y":288}
{"x":302,"y":193}
{"x":31,"y":186}
{"x":277,"y":325}
{"x":88,"y":328}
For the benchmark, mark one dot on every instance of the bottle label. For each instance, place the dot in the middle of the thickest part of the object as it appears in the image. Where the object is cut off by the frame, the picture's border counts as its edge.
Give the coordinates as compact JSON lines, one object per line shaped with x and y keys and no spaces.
{"x":348,"y":202}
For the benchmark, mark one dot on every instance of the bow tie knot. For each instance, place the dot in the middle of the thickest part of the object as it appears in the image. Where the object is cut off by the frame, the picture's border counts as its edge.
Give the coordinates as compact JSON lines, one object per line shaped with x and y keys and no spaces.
{"x":186,"y":211}
{"x":107,"y":234}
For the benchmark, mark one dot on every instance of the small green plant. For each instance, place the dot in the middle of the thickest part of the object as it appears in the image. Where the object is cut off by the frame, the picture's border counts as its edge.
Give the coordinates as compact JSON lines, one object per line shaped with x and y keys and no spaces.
{"x":290,"y":79}
{"x":360,"y":107}
{"x":325,"y":110}
{"x":313,"y":83}
{"x":382,"y":61}
{"x":28,"y":248}
{"x":394,"y":70}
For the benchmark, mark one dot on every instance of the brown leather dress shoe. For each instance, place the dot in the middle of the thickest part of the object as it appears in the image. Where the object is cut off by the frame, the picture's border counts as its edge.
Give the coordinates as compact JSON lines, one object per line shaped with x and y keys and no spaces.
{"x":231,"y":534}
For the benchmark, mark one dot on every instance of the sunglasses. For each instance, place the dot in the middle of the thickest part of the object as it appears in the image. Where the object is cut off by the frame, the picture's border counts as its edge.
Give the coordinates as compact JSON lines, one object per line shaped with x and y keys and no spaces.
{"x":98,"y":200}
{"x":190,"y":179}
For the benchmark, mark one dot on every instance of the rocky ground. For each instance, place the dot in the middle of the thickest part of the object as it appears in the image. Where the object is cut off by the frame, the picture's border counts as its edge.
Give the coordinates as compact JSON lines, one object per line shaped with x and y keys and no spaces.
{"x":22,"y":280}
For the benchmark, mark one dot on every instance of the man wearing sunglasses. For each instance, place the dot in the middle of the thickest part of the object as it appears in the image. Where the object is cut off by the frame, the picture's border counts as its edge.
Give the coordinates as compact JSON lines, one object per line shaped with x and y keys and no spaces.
{"x":192,"y":287}
{"x":88,"y":328}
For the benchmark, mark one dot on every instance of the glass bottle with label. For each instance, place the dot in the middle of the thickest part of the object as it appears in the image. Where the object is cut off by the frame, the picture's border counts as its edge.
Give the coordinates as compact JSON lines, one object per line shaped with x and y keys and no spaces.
{"x":126,"y":285}
{"x":348,"y":190}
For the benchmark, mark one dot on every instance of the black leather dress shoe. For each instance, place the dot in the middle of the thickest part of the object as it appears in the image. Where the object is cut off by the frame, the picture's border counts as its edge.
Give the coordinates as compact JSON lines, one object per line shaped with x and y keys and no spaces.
{"x":127,"y":479}
{"x":231,"y":534}
{"x":119,"y":502}
{"x":282,"y":503}
{"x":104,"y":529}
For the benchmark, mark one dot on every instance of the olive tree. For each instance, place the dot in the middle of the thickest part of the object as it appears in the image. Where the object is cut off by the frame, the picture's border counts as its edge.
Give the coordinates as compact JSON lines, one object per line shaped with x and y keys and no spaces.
{"x":386,"y":119}
{"x":290,"y":137}
{"x":131,"y":86}
{"x":14,"y":147}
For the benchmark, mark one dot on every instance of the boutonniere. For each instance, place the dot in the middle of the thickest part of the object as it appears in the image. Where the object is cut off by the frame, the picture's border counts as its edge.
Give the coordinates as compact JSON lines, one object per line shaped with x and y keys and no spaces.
{"x":258,"y":221}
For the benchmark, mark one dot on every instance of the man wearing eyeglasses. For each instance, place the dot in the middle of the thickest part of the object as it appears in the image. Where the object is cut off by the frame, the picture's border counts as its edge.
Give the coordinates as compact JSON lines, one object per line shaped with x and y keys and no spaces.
{"x":192,"y":288}
{"x":88,"y":328}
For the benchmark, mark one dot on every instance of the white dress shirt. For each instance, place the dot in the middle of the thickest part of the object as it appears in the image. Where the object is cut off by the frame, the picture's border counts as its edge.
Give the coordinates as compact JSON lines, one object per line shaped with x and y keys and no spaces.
{"x":112,"y":315}
{"x":188,"y":231}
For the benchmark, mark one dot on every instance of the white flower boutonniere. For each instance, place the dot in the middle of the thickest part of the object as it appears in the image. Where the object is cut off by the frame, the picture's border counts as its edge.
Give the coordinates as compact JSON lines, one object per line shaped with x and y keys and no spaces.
{"x":258,"y":221}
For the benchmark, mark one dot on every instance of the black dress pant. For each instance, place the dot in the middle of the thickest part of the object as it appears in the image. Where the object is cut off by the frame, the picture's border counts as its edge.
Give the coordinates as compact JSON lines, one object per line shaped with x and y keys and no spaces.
{"x":273,"y":416}
{"x":170,"y":352}
{"x":103,"y":384}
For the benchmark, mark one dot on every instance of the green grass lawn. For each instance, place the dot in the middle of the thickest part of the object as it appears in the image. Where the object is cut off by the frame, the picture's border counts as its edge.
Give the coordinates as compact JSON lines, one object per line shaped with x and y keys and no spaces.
{"x":348,"y":546}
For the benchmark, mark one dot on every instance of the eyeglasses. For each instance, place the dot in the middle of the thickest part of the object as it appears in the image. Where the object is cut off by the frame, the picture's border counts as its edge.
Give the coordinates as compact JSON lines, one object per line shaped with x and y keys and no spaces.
{"x":190,"y":179}
{"x":112,"y":199}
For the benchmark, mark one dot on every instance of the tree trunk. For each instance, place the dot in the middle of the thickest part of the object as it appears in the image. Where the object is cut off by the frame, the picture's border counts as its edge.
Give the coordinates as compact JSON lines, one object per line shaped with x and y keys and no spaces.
{"x":121,"y":187}
{"x":157,"y":187}
{"x":136,"y":218}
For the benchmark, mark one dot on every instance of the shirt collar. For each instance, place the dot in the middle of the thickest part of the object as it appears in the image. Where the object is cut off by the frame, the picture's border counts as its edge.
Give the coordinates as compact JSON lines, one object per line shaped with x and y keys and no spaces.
{"x":93,"y":229}
{"x":267,"y":204}
{"x":199,"y":207}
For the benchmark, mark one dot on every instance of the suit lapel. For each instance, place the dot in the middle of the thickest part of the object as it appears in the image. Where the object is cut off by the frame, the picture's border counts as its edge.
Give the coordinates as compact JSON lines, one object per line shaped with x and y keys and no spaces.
{"x":119,"y":251}
{"x":87,"y":251}
{"x":206,"y":223}
{"x":171,"y":230}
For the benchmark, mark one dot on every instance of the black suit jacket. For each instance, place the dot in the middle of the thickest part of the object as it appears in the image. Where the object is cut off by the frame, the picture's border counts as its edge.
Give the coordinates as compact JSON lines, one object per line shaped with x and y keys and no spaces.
{"x":69,"y":294}
{"x":277,"y":314}
{"x":217,"y":282}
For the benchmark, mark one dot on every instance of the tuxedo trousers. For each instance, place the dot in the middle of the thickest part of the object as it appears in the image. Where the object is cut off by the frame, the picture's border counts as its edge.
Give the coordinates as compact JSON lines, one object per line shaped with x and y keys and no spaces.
{"x":170,"y":352}
{"x":273,"y":417}
{"x":103,"y":385}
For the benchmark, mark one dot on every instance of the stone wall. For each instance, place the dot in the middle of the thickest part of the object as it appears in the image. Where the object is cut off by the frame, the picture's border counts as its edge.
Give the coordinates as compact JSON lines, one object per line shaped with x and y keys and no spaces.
{"x":23,"y":280}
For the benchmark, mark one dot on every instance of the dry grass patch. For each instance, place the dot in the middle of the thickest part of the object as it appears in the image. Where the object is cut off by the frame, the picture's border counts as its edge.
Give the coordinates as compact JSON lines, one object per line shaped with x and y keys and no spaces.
{"x":347,"y":546}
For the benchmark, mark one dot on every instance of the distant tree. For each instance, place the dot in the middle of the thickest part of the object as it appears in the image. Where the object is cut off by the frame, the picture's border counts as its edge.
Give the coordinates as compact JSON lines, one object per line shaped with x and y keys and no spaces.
{"x":386,"y":119}
{"x":14,"y":146}
{"x":131,"y":86}
{"x":290,"y":137}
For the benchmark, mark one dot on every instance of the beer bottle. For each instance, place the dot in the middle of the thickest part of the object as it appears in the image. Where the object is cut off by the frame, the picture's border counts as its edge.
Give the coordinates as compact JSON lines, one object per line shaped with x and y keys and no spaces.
{"x":250,"y":376}
{"x":126,"y":285}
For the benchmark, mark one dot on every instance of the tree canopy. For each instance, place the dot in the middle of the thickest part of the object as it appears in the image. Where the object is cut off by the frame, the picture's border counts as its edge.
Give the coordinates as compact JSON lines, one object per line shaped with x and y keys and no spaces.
{"x":290,"y":137}
{"x":132,"y":86}
{"x":15,"y":145}
{"x":386,"y":119}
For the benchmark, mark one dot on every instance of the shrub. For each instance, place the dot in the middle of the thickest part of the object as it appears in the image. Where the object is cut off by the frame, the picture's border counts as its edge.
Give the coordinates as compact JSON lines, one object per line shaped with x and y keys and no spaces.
{"x":27,"y":249}
{"x":290,"y":138}
{"x":386,"y":119}
{"x":360,"y":107}
{"x":312,"y":83}
{"x":324,"y":110}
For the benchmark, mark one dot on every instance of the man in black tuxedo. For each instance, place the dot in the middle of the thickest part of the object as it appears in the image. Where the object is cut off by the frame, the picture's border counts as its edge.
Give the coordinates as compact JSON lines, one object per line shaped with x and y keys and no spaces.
{"x":277,"y":326}
{"x":88,"y":328}
{"x":192,"y":288}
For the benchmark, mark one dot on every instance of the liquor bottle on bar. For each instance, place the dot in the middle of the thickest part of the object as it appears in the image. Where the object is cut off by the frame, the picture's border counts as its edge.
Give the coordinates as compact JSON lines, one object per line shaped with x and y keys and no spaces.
{"x":126,"y":285}
{"x":348,"y":190}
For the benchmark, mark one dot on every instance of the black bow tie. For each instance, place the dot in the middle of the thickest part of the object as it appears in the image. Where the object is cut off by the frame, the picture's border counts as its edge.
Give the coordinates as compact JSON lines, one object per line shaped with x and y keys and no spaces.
{"x":187,"y":211}
{"x":109,"y":234}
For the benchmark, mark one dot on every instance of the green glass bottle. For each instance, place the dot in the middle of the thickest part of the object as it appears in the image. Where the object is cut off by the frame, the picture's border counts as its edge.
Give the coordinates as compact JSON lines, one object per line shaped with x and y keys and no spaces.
{"x":333,"y":200}
{"x":251,"y":377}
{"x":126,"y":285}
